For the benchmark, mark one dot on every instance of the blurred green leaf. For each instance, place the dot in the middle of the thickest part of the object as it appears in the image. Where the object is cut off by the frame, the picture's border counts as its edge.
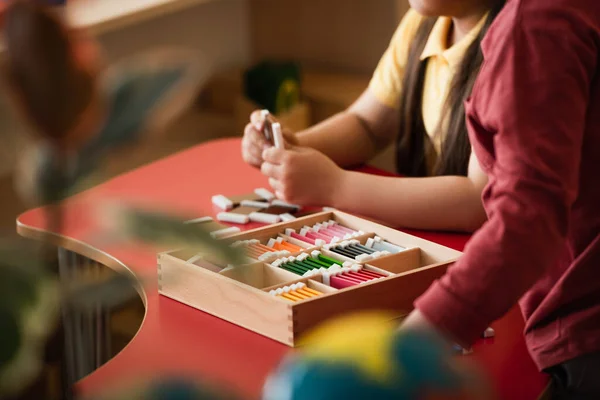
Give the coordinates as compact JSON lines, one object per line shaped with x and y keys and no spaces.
{"x":162,"y":228}
{"x":10,"y":335}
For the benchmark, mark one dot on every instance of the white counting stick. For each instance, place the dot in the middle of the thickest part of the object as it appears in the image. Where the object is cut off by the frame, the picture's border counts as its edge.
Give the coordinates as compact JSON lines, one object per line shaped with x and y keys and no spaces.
{"x":225,"y":232}
{"x":254,"y":204}
{"x":287,"y":217}
{"x":222,"y":202}
{"x":199,"y":220}
{"x":233,"y":218}
{"x":265,"y":194}
{"x":278,"y":136}
{"x":264,"y":218}
{"x":281,"y":203}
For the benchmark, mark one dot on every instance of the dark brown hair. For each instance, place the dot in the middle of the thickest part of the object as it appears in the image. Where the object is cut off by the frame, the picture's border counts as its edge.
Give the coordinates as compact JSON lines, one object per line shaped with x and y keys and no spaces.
{"x":415,"y":154}
{"x":42,"y":70}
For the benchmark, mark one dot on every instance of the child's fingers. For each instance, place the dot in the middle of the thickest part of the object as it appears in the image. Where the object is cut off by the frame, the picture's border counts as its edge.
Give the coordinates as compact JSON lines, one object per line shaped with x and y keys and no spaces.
{"x":252,"y":160}
{"x":275,"y":155}
{"x":271,"y":170}
{"x":277,"y":187}
{"x":252,"y":149}
{"x":256,"y":119}
{"x":255,"y":135}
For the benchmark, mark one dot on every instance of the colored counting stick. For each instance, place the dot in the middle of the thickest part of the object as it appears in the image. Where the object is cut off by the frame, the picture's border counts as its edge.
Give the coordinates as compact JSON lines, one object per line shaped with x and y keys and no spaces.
{"x":347,"y":277}
{"x":380,"y":245}
{"x":295,"y":292}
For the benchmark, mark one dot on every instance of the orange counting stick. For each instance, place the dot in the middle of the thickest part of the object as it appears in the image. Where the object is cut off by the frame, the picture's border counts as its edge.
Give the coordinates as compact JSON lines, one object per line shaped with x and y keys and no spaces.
{"x":279,"y":247}
{"x":299,"y":293}
{"x":253,"y":252}
{"x":262,"y":247}
{"x":311,"y":291}
{"x":282,"y":247}
{"x":292,"y":247}
{"x":293,"y":296}
{"x":287,"y":297}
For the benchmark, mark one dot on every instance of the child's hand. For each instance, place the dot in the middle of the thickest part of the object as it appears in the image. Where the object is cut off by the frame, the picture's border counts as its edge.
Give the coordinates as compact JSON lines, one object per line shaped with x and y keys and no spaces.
{"x":302,"y":176}
{"x":254,"y":142}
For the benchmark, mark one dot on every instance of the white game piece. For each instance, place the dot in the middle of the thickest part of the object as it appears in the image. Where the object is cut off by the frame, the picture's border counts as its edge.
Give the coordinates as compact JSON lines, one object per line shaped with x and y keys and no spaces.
{"x":355,"y":268}
{"x":254,"y":204}
{"x":281,"y":203}
{"x":199,"y":220}
{"x":363,"y":258}
{"x":320,"y":242}
{"x":222,"y":202}
{"x":265,"y":194}
{"x":302,"y":257}
{"x":225,"y":232}
{"x":271,"y":243}
{"x":264,"y":218}
{"x":326,"y":278}
{"x":287,"y":217}
{"x":233,"y":218}
{"x":277,"y":135}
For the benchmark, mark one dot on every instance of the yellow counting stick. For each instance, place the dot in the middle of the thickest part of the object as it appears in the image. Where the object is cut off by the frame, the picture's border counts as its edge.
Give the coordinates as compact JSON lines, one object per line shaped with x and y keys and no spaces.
{"x":295,"y":292}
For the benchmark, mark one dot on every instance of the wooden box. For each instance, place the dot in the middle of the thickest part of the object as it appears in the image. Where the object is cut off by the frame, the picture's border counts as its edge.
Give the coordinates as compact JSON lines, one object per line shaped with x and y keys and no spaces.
{"x":242,"y":295}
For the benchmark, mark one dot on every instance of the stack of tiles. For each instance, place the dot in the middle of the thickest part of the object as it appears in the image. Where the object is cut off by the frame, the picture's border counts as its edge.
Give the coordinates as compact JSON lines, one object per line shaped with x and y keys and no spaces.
{"x":260,"y":206}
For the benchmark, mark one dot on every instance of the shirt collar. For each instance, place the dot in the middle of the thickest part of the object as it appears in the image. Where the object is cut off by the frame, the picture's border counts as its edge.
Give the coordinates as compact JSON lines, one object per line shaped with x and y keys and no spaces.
{"x":438,"y":38}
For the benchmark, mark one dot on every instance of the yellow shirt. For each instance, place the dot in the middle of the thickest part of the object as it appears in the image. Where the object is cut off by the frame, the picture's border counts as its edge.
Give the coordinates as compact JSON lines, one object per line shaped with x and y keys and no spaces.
{"x":386,"y":83}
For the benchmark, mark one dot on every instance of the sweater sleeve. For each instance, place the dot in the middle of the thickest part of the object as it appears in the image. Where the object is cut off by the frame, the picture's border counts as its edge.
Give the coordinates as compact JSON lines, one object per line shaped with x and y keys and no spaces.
{"x":527,"y":120}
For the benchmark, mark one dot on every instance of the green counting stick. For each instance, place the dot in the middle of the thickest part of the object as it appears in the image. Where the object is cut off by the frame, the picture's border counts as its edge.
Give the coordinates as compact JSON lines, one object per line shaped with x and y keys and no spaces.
{"x":320,"y":263}
{"x":316,"y":264}
{"x":330,"y":260}
{"x":292,"y":268}
{"x":306,"y":267}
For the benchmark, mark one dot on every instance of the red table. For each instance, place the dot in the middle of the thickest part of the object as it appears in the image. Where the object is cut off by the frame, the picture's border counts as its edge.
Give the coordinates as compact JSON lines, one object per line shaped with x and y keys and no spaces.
{"x":175,"y":338}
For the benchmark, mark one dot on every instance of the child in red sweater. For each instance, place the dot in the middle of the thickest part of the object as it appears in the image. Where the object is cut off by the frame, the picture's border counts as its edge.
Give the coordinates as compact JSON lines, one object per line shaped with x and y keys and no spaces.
{"x":534,"y":123}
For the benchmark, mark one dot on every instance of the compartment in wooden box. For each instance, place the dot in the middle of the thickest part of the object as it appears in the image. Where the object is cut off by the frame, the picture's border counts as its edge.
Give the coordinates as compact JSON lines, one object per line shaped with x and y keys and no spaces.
{"x":198,"y":259}
{"x":306,"y":263}
{"x":293,"y":229}
{"x":259,"y":275}
{"x":304,"y":289}
{"x":226,"y":298}
{"x":267,"y":248}
{"x":349,"y":277}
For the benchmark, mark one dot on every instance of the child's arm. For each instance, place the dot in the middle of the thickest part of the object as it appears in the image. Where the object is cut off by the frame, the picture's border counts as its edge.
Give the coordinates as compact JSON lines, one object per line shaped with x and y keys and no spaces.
{"x":451,"y":203}
{"x":356,"y":135}
{"x":307,"y":177}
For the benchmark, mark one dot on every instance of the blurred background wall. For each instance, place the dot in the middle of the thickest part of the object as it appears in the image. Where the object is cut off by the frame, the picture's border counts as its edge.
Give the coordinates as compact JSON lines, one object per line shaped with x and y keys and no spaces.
{"x":337,"y":42}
